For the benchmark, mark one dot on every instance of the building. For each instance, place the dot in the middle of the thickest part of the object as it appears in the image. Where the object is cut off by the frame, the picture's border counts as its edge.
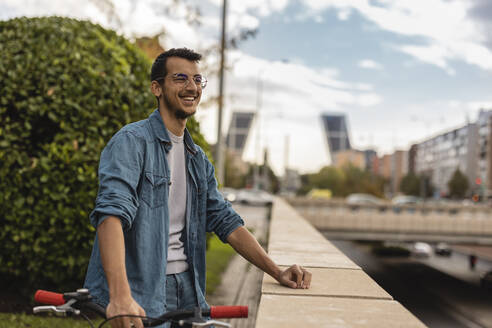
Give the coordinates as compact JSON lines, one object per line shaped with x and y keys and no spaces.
{"x":369,"y":156}
{"x":384,"y":167}
{"x":238,"y":131}
{"x":484,"y":152}
{"x":291,"y":182}
{"x":393,"y":167}
{"x":398,"y":168}
{"x":412,"y":153}
{"x":349,"y":157}
{"x":335,"y":128}
{"x":441,"y":155}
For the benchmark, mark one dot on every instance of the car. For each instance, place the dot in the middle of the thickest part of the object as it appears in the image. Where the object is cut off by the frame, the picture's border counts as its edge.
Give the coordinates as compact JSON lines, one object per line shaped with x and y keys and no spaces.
{"x":421,"y":250}
{"x":443,"y":249}
{"x":486,"y":280}
{"x":254,"y":197}
{"x":405,"y":200}
{"x":229,"y":194}
{"x":319,"y":193}
{"x":363,"y":199}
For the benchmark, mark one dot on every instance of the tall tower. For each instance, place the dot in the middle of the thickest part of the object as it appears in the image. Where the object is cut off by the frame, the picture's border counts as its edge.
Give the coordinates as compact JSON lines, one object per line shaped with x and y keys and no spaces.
{"x":335,"y":127}
{"x":238,"y":131}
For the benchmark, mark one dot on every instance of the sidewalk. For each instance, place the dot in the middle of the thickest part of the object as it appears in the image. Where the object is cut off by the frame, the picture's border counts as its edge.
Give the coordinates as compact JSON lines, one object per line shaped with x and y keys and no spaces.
{"x":241,"y":282}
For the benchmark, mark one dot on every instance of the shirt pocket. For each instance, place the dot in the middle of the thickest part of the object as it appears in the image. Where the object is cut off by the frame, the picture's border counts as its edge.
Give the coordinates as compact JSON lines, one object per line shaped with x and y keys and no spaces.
{"x":154,"y":189}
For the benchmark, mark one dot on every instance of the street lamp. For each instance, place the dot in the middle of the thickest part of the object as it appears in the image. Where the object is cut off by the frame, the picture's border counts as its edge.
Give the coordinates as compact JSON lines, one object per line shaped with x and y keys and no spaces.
{"x":219,"y":151}
{"x":259,"y":103}
{"x":259,"y":96}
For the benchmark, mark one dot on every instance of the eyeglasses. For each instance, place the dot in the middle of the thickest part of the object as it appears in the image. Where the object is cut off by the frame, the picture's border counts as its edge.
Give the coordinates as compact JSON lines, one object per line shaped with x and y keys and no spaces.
{"x":183,"y":80}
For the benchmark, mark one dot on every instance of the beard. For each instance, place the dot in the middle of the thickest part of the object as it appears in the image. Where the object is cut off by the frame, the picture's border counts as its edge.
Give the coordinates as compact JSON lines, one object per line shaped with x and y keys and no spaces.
{"x":178,"y":112}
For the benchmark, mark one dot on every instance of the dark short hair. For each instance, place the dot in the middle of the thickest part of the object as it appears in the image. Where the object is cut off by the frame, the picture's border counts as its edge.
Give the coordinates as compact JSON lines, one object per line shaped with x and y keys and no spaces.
{"x":159,"y":71}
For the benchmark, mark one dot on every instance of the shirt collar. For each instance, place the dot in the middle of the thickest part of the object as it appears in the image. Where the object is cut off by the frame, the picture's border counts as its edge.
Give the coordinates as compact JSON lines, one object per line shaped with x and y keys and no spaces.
{"x":160,"y":132}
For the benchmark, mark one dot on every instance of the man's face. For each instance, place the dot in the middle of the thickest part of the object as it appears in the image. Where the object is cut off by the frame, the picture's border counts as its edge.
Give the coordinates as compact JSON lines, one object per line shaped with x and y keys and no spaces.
{"x":180,"y":98}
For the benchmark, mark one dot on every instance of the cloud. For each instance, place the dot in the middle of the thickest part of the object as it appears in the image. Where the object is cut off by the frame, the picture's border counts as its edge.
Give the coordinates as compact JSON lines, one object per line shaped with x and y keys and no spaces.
{"x":74,"y":9}
{"x":368,"y":100}
{"x":292,"y":97}
{"x":451,"y":30}
{"x":435,"y":55}
{"x":369,"y":64}
{"x":477,"y":105}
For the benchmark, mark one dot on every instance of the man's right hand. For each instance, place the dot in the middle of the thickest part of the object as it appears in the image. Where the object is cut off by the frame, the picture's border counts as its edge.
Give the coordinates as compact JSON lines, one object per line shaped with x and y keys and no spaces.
{"x":121,"y":306}
{"x":112,"y":249}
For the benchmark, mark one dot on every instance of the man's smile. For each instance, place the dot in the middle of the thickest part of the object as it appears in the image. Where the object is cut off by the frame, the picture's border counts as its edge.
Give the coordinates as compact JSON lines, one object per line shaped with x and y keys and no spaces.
{"x":188,"y":100}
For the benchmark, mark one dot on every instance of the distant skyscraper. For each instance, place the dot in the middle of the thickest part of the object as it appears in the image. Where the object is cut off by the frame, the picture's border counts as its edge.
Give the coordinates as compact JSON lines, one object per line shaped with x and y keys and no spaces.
{"x":335,"y":127}
{"x":238,"y":131}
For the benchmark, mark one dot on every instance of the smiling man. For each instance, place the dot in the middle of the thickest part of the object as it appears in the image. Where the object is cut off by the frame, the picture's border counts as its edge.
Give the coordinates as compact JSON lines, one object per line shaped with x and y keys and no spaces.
{"x":157,"y":199}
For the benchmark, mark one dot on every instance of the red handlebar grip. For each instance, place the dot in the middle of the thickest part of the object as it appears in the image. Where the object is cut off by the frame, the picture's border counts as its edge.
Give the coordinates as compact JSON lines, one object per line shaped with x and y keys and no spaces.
{"x":46,"y":297}
{"x":235,"y":311}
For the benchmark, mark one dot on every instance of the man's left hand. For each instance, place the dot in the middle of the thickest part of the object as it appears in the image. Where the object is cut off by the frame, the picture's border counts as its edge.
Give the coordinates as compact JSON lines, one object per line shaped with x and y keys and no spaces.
{"x":295,"y":277}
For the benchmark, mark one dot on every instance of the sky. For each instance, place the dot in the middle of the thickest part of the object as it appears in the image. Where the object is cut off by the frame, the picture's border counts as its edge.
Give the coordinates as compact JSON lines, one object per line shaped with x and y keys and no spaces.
{"x":400,"y":70}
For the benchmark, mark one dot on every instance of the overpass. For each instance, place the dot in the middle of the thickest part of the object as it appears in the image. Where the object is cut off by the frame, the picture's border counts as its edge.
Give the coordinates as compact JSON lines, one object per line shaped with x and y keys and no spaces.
{"x":422,"y":222}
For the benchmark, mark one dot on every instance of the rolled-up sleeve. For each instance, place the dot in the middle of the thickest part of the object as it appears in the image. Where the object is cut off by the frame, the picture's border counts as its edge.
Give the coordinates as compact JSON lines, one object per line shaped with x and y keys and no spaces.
{"x":221,"y":217}
{"x":120,"y":168}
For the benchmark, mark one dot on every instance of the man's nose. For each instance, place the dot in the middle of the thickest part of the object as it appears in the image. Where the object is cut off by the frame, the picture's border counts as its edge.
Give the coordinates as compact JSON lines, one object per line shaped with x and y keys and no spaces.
{"x":191,"y":85}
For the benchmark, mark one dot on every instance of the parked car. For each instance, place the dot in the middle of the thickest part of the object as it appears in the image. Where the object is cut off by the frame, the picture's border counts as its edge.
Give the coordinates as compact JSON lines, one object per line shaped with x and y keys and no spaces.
{"x":443,"y":249}
{"x":422,"y":250}
{"x":486,"y":280}
{"x":362,"y":199}
{"x":255,"y":197}
{"x":405,"y":200}
{"x":319,"y":193}
{"x":229,"y":194}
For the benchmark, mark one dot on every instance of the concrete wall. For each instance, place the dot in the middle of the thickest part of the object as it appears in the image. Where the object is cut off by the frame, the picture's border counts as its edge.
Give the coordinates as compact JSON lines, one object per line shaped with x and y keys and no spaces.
{"x":341,"y":294}
{"x":453,"y":224}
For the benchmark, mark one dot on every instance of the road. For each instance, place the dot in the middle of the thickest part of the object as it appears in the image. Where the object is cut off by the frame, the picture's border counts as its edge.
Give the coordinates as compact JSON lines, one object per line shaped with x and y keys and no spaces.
{"x":438,"y":299}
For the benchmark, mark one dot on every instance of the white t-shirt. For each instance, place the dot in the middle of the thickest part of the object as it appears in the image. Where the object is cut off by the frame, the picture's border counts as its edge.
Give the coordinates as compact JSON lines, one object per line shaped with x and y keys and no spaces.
{"x":176,"y":257}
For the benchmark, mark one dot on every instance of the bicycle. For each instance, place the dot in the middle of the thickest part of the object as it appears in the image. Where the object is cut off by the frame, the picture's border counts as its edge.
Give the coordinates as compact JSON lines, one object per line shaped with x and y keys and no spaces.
{"x":80,"y":301}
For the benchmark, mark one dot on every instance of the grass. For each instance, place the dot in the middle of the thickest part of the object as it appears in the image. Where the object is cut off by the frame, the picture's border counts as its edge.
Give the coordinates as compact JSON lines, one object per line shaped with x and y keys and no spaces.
{"x":218,"y":257}
{"x":8,"y":320}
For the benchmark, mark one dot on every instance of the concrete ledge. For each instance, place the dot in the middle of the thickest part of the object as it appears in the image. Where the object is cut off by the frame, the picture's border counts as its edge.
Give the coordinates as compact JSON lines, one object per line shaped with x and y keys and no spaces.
{"x":333,"y":283}
{"x":341,"y":294}
{"x":300,"y":311}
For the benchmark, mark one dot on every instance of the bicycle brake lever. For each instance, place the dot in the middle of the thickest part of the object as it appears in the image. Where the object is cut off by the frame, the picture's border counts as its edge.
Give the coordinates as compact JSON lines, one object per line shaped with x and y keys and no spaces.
{"x":211,"y":323}
{"x":58,"y":310}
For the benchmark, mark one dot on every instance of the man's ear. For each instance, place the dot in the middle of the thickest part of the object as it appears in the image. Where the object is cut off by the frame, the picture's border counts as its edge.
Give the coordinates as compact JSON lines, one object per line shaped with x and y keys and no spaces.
{"x":156,"y":89}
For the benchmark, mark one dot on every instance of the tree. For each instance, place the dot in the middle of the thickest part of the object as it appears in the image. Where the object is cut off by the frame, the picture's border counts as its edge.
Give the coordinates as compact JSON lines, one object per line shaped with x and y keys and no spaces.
{"x":458,"y":184}
{"x":235,"y":173}
{"x":67,"y":87}
{"x":343,"y":181}
{"x":410,"y":185}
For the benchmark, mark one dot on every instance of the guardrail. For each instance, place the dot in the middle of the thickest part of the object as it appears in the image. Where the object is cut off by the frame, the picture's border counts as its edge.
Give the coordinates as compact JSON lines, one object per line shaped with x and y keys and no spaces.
{"x":425,"y":208}
{"x":341,"y":293}
{"x":388,"y":222}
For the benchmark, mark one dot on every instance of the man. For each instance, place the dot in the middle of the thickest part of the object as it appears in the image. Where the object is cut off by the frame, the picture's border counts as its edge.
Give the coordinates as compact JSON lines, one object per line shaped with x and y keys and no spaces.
{"x":157,"y":198}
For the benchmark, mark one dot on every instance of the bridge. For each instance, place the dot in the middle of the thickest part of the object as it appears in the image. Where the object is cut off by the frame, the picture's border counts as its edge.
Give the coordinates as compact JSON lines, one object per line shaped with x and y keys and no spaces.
{"x":422,"y":222}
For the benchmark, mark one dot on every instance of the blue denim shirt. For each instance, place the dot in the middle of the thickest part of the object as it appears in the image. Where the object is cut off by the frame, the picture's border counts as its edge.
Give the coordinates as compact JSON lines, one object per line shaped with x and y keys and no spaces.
{"x":134,"y":182}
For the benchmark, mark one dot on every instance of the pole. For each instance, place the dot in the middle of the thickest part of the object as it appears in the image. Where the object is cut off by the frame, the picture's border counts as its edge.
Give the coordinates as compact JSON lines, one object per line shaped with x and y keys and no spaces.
{"x":259,"y":95}
{"x":219,"y":150}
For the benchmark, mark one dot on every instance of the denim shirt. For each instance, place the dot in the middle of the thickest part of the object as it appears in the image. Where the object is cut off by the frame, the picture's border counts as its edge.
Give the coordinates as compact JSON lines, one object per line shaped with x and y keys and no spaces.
{"x":134,"y":180}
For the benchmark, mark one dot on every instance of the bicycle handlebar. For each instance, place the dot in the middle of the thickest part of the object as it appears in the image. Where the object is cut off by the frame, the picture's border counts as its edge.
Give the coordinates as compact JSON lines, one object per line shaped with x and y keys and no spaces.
{"x":51,"y":298}
{"x":228,"y":311}
{"x":62,"y":303}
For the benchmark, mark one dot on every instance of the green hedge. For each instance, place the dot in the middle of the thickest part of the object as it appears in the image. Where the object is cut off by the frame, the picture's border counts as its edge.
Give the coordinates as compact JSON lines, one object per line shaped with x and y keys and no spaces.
{"x":66,"y":87}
